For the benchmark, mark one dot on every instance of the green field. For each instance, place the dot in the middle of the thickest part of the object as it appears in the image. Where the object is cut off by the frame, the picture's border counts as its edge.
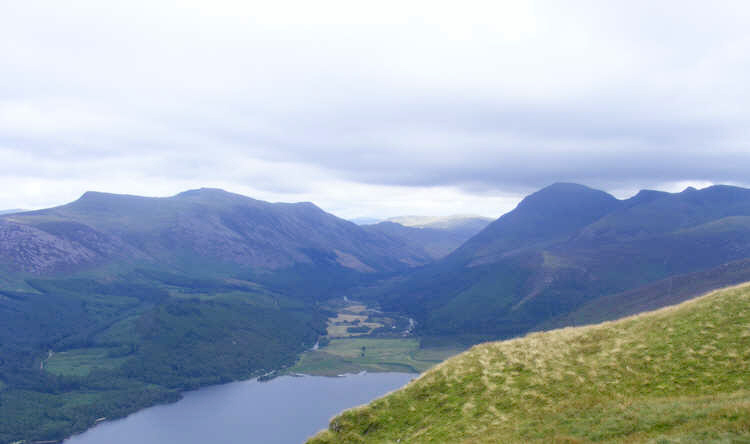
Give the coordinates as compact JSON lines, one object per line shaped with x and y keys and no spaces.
{"x":339,"y":327}
{"x":81,"y":362}
{"x":351,"y":355}
{"x":676,"y":375}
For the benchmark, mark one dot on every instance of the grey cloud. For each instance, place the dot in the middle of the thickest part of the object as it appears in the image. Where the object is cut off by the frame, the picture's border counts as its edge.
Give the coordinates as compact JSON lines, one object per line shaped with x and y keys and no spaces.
{"x":499,"y":98}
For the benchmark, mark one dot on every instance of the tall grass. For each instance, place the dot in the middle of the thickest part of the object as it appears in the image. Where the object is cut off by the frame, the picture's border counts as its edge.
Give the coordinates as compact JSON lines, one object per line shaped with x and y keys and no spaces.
{"x":679,"y":374}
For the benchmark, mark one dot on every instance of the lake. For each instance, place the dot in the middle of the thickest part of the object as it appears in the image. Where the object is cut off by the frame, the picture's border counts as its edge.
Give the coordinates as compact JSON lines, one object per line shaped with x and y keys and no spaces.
{"x":284,"y":410}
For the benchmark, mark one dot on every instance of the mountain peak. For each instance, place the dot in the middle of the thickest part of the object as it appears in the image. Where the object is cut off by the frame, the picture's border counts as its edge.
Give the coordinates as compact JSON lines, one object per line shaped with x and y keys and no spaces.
{"x":554,"y":212}
{"x":204,"y":191}
{"x":565,"y":186}
{"x":88,"y":195}
{"x":97,"y":199}
{"x":564,"y":195}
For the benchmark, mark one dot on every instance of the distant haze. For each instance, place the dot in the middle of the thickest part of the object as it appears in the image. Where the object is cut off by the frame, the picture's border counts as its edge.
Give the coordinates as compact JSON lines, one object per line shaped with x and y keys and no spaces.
{"x":371,"y":109}
{"x":439,"y":221}
{"x":17,"y":210}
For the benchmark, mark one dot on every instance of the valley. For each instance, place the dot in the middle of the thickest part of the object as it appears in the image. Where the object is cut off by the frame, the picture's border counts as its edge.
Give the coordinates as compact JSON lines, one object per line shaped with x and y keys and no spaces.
{"x":388,"y":345}
{"x":380,"y":222}
{"x":114,"y":303}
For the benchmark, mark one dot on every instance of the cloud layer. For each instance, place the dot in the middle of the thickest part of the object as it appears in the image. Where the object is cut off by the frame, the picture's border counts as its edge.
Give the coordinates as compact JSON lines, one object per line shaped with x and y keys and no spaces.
{"x":376,"y":109}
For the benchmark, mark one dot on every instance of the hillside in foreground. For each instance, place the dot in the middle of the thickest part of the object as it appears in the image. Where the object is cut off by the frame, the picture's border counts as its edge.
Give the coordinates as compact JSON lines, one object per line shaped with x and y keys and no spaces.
{"x":679,"y":374}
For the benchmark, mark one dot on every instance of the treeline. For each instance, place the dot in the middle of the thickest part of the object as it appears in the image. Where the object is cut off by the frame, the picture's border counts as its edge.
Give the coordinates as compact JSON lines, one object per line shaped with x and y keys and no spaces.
{"x":163,"y":346}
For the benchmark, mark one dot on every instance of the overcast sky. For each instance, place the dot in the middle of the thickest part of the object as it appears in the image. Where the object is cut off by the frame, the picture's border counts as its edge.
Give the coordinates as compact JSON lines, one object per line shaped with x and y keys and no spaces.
{"x":375,"y":108}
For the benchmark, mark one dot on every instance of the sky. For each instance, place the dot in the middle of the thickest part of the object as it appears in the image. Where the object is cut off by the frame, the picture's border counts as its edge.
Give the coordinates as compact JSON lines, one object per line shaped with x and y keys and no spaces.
{"x":371,"y":109}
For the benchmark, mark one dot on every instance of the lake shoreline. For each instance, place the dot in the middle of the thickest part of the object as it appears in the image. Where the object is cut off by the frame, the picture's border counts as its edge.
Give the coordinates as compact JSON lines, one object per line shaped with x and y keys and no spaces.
{"x":240,"y":402}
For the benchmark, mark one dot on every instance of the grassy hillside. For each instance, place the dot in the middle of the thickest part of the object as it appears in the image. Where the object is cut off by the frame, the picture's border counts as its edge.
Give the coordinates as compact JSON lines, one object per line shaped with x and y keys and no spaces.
{"x":679,"y":374}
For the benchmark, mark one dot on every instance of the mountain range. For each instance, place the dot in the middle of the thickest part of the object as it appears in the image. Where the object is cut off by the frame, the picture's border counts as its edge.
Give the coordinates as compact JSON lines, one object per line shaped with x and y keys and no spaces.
{"x":190,"y":230}
{"x":169,"y":294}
{"x":567,"y":246}
{"x":173,"y":293}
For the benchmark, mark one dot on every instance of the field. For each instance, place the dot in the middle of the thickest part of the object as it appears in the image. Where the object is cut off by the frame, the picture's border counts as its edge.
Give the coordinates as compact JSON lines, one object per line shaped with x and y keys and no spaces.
{"x":350,"y":317}
{"x":81,"y":362}
{"x":352,"y":355}
{"x":676,"y":375}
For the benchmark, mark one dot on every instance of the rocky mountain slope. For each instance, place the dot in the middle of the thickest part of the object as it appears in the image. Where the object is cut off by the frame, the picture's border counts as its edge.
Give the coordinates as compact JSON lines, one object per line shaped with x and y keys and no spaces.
{"x":191,"y":229}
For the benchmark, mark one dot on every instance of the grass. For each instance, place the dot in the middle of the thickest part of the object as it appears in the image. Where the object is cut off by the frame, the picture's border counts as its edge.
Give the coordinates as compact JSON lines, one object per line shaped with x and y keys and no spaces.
{"x":352,"y":355}
{"x":676,"y":375}
{"x":81,"y":362}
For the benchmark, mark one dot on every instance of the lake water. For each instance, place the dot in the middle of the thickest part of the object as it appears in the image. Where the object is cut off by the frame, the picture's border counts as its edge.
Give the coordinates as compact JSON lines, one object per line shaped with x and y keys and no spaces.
{"x":285,"y":410}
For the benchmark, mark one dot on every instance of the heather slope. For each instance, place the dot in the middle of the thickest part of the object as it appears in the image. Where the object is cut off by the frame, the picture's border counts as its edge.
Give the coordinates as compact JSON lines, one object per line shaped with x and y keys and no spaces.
{"x":679,"y":374}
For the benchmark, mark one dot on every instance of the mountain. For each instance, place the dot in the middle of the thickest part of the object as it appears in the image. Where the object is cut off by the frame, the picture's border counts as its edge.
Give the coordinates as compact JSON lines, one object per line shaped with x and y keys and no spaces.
{"x":16,"y":210}
{"x":566,"y":246}
{"x":189,"y":231}
{"x":669,"y":291}
{"x":457,"y":222}
{"x":674,"y":375}
{"x":434,"y":237}
{"x":365,"y":220}
{"x":548,"y":215}
{"x":113,"y":303}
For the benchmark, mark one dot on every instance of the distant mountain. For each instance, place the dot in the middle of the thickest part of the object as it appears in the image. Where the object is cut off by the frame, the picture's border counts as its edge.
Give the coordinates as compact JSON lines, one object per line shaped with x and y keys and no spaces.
{"x":365,"y":220}
{"x":436,"y":237}
{"x":469,"y":222}
{"x":16,"y":210}
{"x":673,"y":375}
{"x":566,"y":246}
{"x":197,"y":229}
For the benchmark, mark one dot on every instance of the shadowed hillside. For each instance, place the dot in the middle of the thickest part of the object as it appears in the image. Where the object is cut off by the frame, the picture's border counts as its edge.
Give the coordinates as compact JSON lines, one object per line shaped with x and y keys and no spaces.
{"x":679,"y":374}
{"x":566,"y":246}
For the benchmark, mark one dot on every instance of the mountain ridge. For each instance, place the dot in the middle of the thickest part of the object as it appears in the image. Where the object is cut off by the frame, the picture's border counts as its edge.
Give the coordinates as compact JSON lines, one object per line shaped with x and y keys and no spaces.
{"x":204,"y":223}
{"x":565,"y":246}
